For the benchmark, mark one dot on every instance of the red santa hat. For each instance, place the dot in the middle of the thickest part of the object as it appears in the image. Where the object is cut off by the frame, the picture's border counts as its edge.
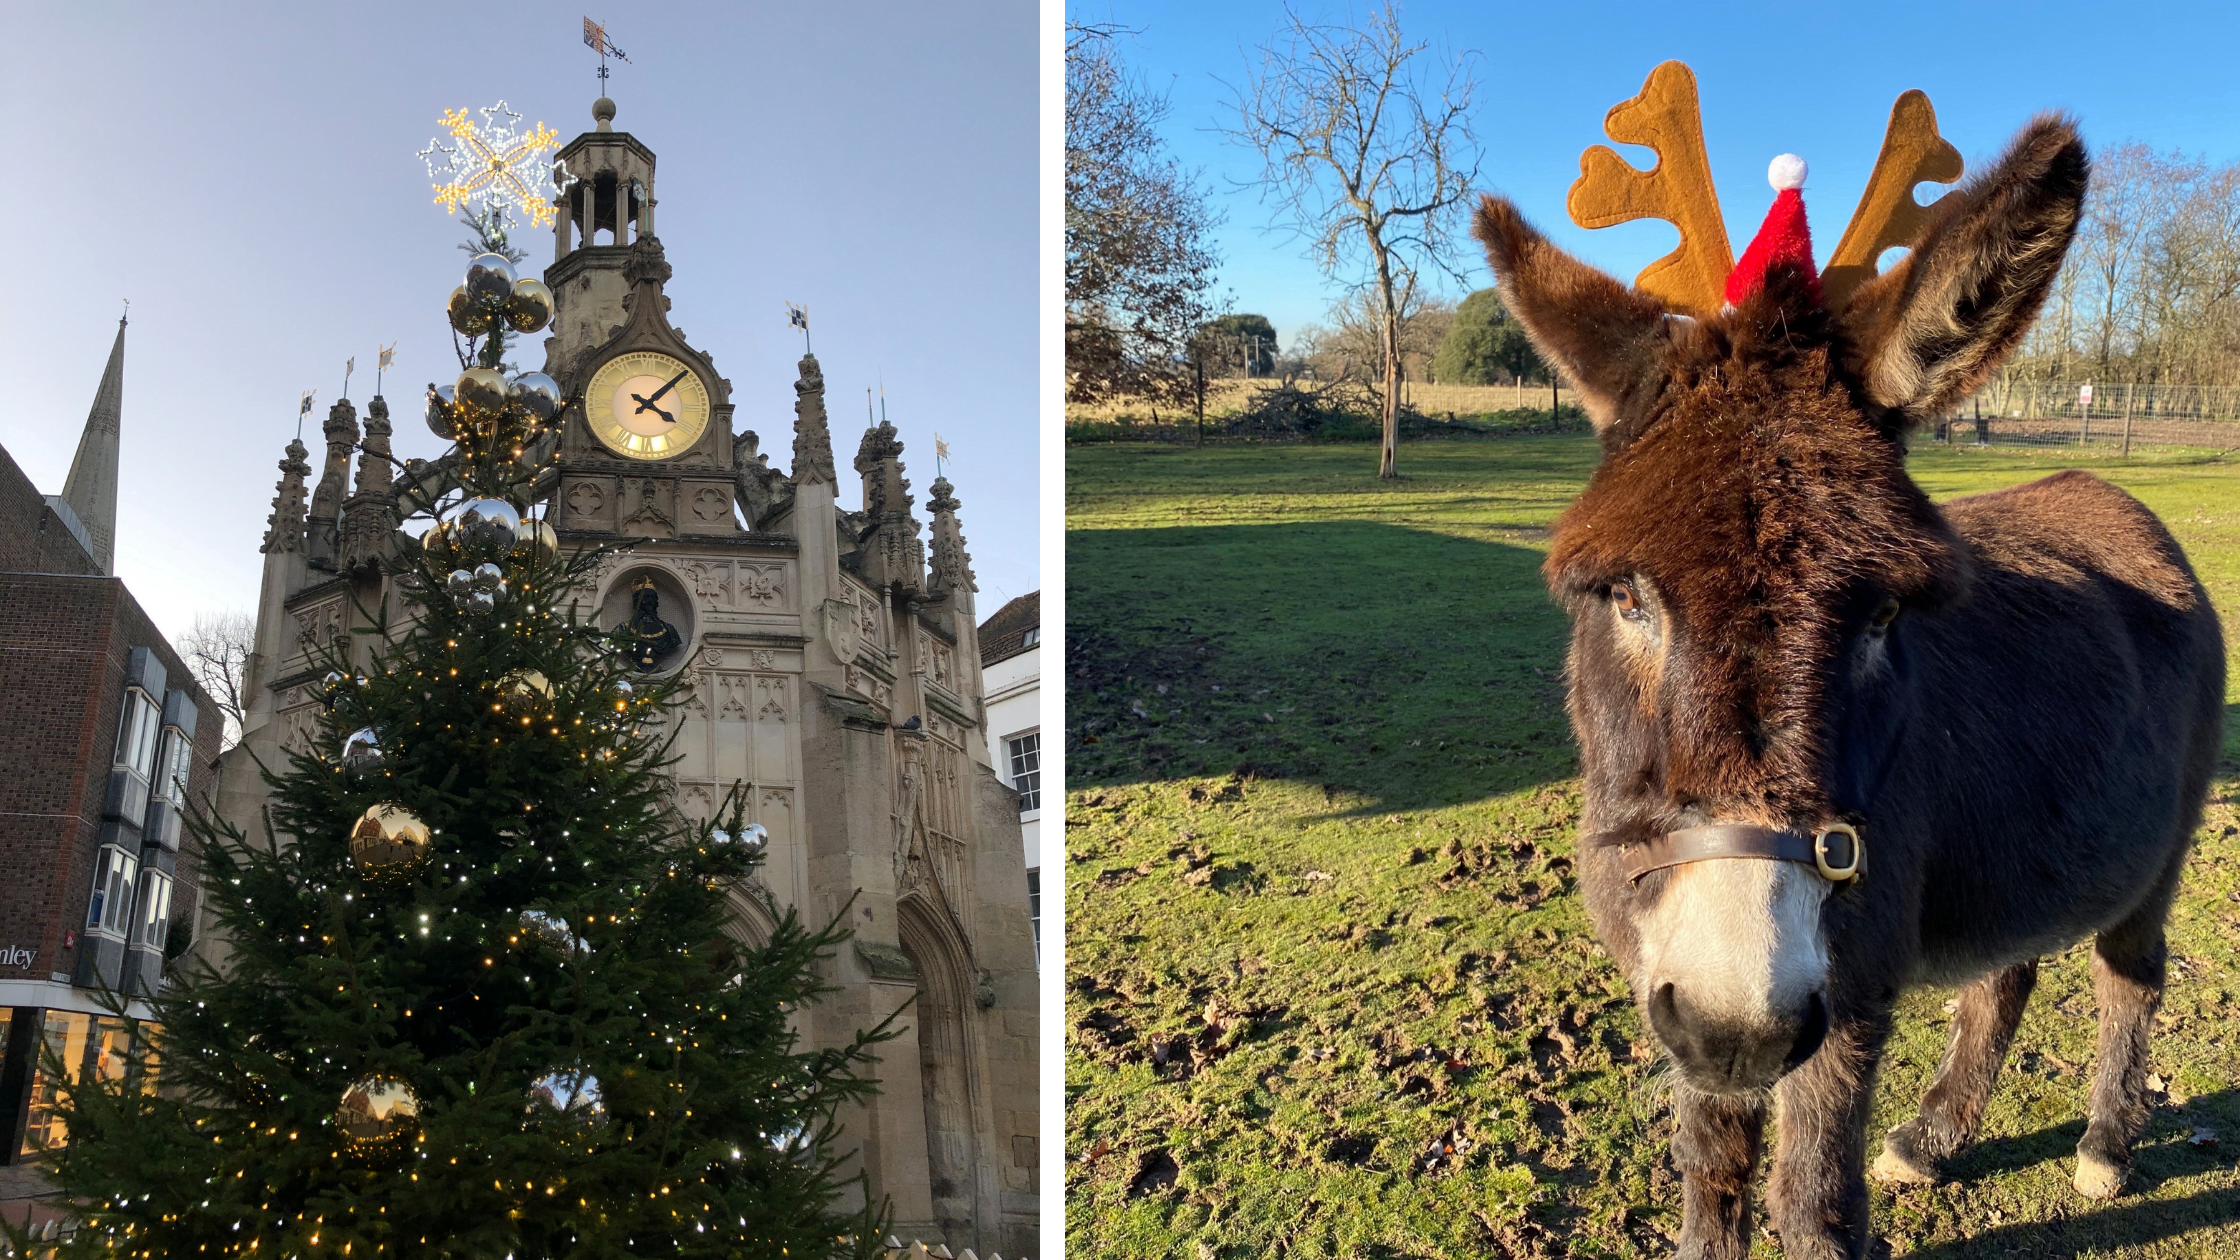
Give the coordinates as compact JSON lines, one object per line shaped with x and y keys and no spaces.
{"x":1782,"y":238}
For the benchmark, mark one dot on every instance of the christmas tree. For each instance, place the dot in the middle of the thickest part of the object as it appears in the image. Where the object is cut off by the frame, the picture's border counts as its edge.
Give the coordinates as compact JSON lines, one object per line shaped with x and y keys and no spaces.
{"x":481,"y":998}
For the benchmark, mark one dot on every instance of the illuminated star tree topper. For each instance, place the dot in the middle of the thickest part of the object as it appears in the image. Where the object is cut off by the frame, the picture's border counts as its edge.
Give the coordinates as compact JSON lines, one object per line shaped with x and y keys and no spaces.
{"x":496,"y":166}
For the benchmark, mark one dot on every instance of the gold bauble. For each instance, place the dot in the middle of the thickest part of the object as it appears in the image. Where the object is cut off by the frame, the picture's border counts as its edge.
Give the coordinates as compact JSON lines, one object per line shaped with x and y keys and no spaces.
{"x":538,"y":540}
{"x":530,"y":306}
{"x":467,"y":315}
{"x":389,"y":841}
{"x":523,"y":690}
{"x":483,"y":389}
{"x":379,"y":1115}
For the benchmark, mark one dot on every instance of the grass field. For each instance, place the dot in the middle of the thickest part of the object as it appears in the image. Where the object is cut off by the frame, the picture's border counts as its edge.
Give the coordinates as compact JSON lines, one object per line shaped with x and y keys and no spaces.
{"x":1330,"y":988}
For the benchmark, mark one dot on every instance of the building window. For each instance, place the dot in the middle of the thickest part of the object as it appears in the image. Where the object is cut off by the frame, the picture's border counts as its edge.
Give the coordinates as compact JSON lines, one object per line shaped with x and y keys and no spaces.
{"x":1026,"y":770}
{"x":155,"y":909}
{"x":1032,"y":637}
{"x":173,"y":766}
{"x":137,"y":729}
{"x":112,"y":891}
{"x":90,"y":1047}
{"x":1034,"y":913}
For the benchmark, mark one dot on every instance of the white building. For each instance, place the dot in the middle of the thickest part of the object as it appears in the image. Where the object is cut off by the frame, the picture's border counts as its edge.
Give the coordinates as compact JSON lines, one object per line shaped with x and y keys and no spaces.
{"x":1011,"y":669}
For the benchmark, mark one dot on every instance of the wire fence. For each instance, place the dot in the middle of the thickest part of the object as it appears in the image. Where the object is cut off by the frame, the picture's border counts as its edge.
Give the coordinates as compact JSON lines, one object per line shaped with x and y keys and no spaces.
{"x":2078,"y":413}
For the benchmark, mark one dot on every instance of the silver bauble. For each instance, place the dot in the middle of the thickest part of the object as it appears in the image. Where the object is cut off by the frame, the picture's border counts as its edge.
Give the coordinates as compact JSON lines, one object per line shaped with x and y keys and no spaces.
{"x":550,"y":929}
{"x":489,"y":577}
{"x":379,"y":1114}
{"x":486,"y":525}
{"x":537,"y":392}
{"x":571,"y":1096}
{"x":362,"y":754}
{"x":459,"y":583}
{"x":440,"y":420}
{"x":489,"y":279}
{"x":753,"y":838}
{"x":529,"y":306}
{"x":481,"y":602}
{"x":624,"y":695}
{"x":483,"y":389}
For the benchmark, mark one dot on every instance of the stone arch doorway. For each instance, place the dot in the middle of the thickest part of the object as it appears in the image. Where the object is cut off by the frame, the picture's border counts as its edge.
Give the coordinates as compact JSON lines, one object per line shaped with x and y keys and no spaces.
{"x":944,"y":1063}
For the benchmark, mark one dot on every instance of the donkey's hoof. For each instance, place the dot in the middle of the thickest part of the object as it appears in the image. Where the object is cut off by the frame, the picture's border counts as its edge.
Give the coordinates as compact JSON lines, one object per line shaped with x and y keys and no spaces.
{"x":2097,"y":1178}
{"x":1894,"y":1169}
{"x":1900,"y":1164}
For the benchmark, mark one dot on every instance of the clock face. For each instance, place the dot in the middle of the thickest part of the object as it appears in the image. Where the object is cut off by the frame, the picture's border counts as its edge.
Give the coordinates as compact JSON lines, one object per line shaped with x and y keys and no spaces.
{"x":646,"y":405}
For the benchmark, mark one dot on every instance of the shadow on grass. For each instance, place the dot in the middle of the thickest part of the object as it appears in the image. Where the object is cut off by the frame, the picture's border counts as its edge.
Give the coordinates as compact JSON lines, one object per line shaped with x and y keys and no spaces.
{"x":2161,"y":1155}
{"x":1412,"y":667}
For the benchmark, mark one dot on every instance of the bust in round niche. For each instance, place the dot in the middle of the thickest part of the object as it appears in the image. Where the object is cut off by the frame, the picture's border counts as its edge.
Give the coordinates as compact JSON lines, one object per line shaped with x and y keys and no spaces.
{"x":650,"y":619}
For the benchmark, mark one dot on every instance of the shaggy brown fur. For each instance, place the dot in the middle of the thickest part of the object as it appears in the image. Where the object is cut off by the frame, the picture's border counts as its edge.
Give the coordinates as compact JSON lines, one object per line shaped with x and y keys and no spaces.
{"x":2025,"y":747}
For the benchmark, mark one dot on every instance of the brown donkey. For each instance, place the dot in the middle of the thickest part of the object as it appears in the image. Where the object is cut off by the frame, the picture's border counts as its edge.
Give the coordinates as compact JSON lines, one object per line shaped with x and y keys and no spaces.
{"x":1837,"y":741}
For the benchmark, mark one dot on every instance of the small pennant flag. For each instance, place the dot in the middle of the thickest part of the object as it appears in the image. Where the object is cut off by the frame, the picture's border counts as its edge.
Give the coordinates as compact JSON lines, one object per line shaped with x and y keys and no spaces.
{"x":940,"y":448}
{"x":388,"y":356}
{"x":308,"y":395}
{"x":798,"y":316}
{"x":350,"y":365}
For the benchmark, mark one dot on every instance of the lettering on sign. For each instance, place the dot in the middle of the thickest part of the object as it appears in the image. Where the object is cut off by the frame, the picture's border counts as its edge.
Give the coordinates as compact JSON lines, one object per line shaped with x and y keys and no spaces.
{"x":17,"y":956}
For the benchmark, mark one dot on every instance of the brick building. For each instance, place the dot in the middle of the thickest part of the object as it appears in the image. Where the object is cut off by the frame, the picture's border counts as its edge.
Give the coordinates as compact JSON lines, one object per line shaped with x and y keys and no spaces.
{"x":107,"y":739}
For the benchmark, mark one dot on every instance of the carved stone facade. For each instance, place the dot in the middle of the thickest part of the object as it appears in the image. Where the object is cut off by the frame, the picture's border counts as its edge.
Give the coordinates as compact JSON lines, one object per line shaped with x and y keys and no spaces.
{"x":829,"y":673}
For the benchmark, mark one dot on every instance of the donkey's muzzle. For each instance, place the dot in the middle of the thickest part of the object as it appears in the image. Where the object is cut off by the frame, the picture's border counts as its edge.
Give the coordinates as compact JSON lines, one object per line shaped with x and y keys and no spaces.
{"x":1724,"y":1054}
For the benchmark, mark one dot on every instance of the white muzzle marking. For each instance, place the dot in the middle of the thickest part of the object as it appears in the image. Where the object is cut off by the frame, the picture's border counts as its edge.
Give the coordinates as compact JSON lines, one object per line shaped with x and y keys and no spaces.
{"x":1739,"y":938}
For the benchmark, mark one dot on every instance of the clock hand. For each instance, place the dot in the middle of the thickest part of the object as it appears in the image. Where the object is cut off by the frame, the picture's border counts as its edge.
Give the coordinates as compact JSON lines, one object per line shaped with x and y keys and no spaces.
{"x":663,"y":390}
{"x":646,"y":404}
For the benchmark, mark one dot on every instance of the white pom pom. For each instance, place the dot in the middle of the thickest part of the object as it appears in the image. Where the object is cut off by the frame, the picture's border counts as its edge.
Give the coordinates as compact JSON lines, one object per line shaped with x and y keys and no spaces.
{"x":1786,"y":172}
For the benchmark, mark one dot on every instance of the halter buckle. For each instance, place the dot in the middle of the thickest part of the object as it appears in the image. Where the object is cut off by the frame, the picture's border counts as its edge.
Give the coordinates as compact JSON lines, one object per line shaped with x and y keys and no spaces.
{"x":1844,"y":864}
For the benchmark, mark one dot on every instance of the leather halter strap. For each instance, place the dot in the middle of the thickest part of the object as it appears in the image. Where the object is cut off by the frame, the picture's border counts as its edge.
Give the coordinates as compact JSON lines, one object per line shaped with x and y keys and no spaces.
{"x":1834,"y":852}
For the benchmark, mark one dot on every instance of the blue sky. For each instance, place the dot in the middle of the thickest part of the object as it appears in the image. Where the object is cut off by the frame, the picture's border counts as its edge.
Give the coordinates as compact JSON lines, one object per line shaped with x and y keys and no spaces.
{"x":1817,"y":80}
{"x":249,"y":181}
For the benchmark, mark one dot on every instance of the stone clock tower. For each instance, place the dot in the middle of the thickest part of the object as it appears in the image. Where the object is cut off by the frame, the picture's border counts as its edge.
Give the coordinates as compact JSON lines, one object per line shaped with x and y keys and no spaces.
{"x":832,"y":658}
{"x":648,"y":453}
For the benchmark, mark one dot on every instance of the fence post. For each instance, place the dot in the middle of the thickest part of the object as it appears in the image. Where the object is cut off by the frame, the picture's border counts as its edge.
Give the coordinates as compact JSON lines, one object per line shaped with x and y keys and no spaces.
{"x":1983,"y":427}
{"x":2128,"y":390}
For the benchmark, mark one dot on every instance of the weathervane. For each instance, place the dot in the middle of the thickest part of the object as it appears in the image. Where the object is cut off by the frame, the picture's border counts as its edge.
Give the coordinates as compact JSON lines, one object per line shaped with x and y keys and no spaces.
{"x":940,"y":452}
{"x":496,"y":165}
{"x":798,"y":316}
{"x":304,"y":410}
{"x":386,"y":360}
{"x":595,"y":38}
{"x":349,"y":365}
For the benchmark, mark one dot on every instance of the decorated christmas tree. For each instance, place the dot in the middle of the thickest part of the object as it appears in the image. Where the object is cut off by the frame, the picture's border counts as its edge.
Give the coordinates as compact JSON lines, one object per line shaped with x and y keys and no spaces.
{"x":482,"y":995}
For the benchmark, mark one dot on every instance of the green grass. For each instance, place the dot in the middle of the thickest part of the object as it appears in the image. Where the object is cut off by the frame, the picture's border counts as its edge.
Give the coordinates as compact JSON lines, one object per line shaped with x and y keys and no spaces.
{"x":1330,"y":988}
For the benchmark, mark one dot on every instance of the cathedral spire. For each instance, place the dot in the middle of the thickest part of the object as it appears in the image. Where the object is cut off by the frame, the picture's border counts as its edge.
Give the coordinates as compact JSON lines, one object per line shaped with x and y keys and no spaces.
{"x":284,"y":528}
{"x":91,"y":490}
{"x":370,"y":515}
{"x":952,"y":564}
{"x":334,"y":482}
{"x":812,"y":436}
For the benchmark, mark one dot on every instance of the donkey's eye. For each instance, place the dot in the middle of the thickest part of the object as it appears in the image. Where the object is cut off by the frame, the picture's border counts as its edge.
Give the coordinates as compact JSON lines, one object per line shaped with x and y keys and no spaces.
{"x":1627,"y":603}
{"x":1883,"y":616}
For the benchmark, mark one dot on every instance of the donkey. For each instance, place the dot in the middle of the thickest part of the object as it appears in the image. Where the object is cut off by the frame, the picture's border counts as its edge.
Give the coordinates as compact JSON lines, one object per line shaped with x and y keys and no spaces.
{"x":1838,"y":741}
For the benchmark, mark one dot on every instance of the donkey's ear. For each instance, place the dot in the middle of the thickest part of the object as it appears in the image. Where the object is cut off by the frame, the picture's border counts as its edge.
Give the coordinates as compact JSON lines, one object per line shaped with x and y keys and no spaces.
{"x":1926,"y":333}
{"x":1603,"y":337}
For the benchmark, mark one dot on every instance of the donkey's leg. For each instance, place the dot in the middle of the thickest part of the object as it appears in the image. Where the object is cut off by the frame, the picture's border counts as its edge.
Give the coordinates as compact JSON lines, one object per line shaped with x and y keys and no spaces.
{"x":1818,"y":1193}
{"x":1715,"y":1145}
{"x":2127,"y":973}
{"x":1982,"y":1029}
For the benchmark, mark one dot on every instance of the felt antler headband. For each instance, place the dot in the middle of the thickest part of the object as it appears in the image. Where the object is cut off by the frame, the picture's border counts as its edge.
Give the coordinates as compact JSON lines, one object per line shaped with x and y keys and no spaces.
{"x":1702,"y":274}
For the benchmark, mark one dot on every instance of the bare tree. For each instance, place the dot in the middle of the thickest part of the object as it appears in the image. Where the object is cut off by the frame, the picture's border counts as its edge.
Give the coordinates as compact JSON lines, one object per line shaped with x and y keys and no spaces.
{"x":1366,"y":159}
{"x":217,"y":650}
{"x":1139,"y":271}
